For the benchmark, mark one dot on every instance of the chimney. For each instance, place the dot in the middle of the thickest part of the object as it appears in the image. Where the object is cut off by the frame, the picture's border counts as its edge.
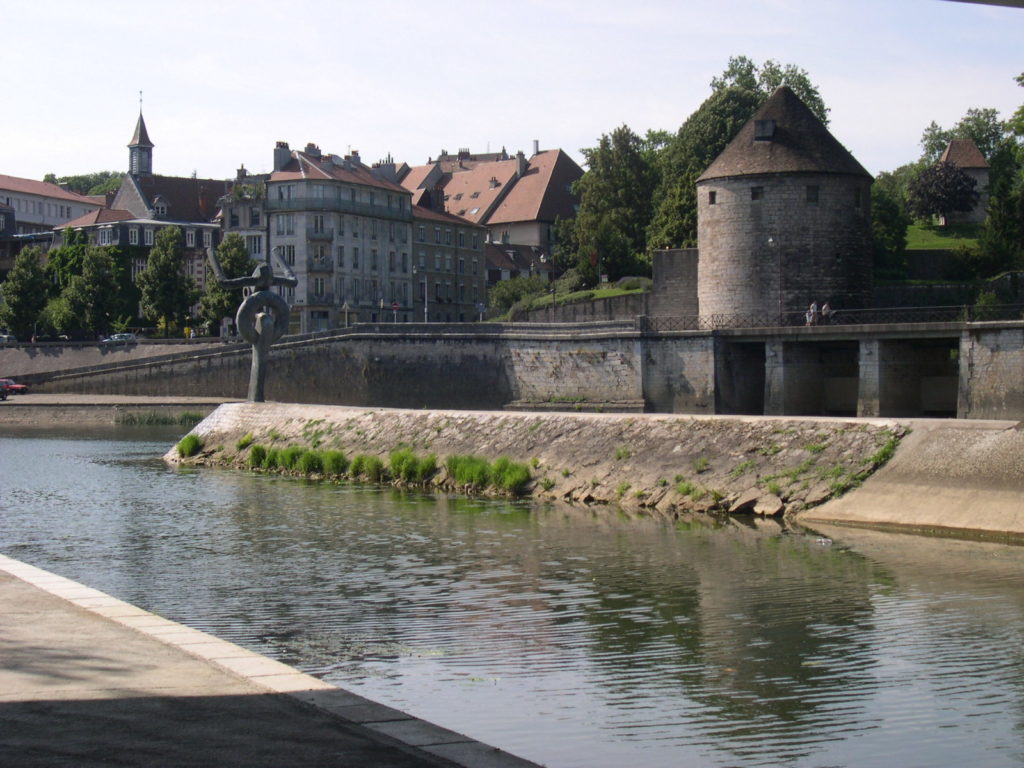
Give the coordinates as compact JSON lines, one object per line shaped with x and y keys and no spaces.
{"x":282,"y":154}
{"x":493,"y":182}
{"x":241,"y":173}
{"x":313,"y":150}
{"x":536,"y":147}
{"x":520,"y":164}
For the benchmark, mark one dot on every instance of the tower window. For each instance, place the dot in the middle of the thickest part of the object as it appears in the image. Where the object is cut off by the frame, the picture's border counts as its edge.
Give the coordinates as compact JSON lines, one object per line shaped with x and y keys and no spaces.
{"x":756,"y":193}
{"x":712,"y":197}
{"x":856,"y":198}
{"x":812,"y":193}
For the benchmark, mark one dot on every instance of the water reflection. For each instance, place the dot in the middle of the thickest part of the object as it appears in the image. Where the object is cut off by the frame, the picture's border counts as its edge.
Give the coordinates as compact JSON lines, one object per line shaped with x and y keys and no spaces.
{"x":573,"y":637}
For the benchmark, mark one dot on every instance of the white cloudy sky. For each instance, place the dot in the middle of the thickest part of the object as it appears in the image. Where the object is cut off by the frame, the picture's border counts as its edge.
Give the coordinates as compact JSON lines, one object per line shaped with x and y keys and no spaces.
{"x":223,"y":81}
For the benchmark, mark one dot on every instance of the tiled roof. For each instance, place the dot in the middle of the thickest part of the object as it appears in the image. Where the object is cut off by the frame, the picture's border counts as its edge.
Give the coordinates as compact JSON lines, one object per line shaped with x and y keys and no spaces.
{"x":800,"y":143}
{"x":187,"y":199}
{"x":42,"y":189}
{"x":472,"y":194}
{"x":101,"y":216}
{"x":422,"y":212}
{"x":517,"y":258}
{"x":417,"y":176}
{"x":141,"y":136}
{"x":542,"y":193}
{"x":303,"y":166}
{"x":964,"y":153}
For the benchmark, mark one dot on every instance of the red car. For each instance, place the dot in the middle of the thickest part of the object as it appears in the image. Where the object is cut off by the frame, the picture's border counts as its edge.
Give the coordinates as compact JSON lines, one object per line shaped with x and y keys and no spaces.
{"x":13,"y":388}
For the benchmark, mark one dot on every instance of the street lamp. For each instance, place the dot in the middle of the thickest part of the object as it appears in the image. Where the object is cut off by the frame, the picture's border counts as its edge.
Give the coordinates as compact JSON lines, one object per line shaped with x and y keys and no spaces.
{"x":416,"y":271}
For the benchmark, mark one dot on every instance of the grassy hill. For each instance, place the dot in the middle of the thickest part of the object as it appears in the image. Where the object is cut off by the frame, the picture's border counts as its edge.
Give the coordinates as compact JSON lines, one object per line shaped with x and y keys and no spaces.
{"x":928,"y":237}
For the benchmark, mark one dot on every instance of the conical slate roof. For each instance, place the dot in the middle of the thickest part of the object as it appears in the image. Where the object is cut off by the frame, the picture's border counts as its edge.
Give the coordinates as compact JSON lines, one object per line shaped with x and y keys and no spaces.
{"x":141,"y":138}
{"x":797,"y":142}
{"x":964,"y":153}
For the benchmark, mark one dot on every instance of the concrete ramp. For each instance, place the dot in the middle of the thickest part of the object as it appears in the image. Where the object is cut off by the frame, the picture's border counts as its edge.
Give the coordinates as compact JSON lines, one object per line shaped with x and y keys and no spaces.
{"x":959,"y":475}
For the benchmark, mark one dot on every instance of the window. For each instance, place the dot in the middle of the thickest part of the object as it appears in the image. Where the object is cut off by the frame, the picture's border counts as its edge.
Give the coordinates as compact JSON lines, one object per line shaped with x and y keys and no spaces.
{"x":318,"y":191}
{"x":104,"y":237}
{"x":712,"y":197}
{"x":190,"y":238}
{"x":207,"y":239}
{"x":232,"y":217}
{"x":447,"y":262}
{"x":437,"y":235}
{"x":373,"y":259}
{"x":133,"y":236}
{"x":437,"y":291}
{"x":405,"y":261}
{"x":462,"y":239}
{"x":355,"y":226}
{"x":812,"y":193}
{"x":341,"y":256}
{"x":391,"y":261}
{"x":476,"y":241}
{"x":373,"y":229}
{"x":422,"y":235}
{"x":148,"y":236}
{"x":254,"y":244}
{"x":391,"y":225}
{"x":285,"y":223}
{"x":320,"y":253}
{"x":437,"y":262}
{"x":475,"y":265}
{"x":318,"y":286}
{"x":462,"y":266}
{"x":254,"y":217}
{"x":288,"y":254}
{"x":318,"y":219}
{"x":756,"y":193}
{"x":447,"y":237}
{"x":355,"y":257}
{"x":462,"y":291}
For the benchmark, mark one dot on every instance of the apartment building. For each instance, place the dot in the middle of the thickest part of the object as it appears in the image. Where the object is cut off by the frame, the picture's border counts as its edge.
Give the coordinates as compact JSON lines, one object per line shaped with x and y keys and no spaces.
{"x":449,"y":267}
{"x":345,"y":230}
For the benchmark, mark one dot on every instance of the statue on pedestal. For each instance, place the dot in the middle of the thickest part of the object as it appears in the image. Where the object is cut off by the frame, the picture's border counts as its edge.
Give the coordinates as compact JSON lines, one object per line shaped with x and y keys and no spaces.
{"x":262,"y":317}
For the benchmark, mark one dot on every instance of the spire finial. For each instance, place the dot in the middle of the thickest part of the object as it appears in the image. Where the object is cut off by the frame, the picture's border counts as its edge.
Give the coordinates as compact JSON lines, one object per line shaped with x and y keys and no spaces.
{"x":140,"y":101}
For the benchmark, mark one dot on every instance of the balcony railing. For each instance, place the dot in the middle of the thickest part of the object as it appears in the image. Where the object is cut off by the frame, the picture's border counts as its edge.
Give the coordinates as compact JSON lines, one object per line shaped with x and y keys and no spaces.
{"x":323,"y":234}
{"x":339,"y":205}
{"x":319,"y":265}
{"x":324,"y":299}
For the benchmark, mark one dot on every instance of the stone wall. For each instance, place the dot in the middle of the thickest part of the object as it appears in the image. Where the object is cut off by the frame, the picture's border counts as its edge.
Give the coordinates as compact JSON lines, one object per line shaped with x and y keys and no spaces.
{"x":624,"y":307}
{"x":18,"y":360}
{"x":674,"y":292}
{"x":991,"y":381}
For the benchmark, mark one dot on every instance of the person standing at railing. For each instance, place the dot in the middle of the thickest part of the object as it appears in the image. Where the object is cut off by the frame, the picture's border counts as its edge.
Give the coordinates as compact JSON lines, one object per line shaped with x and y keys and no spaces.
{"x":826,"y":314}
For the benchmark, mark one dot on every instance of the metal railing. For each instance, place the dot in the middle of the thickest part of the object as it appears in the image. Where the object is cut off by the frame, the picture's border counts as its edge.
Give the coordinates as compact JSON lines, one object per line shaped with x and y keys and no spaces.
{"x":339,"y":205}
{"x":844,"y":317}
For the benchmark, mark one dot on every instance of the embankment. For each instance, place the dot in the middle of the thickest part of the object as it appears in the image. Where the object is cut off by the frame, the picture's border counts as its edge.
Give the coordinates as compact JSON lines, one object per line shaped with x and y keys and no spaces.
{"x":661,"y":464}
{"x":47,"y":411}
{"x":946,"y":475}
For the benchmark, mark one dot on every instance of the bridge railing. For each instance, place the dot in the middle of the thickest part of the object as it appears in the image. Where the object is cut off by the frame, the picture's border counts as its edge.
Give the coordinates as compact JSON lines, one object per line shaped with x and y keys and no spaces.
{"x":875,"y":316}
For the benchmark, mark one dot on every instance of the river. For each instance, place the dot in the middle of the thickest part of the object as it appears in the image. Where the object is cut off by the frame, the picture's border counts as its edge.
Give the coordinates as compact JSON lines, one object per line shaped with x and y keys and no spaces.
{"x":569,"y":636}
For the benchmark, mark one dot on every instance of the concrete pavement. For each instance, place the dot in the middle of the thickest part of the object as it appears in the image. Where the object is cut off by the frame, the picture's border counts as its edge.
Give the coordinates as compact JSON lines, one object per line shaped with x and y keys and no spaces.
{"x":88,"y":680}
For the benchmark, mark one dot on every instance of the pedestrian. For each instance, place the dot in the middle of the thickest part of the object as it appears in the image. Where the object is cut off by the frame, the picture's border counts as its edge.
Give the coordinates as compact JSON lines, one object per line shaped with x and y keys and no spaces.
{"x":826,"y":313}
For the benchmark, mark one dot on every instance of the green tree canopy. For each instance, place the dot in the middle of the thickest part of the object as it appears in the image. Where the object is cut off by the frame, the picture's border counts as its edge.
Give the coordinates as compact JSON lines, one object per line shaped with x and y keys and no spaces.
{"x":687,"y":154}
{"x":217,"y":303}
{"x":889,"y":223}
{"x":982,"y":126}
{"x":24,"y":293}
{"x":615,"y":205}
{"x":167,"y":292}
{"x":763,"y":79}
{"x":65,"y":262}
{"x":98,"y":183}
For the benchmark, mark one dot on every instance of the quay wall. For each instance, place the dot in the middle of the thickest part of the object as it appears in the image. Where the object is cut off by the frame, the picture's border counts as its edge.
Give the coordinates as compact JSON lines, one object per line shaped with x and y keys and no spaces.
{"x":20,"y":360}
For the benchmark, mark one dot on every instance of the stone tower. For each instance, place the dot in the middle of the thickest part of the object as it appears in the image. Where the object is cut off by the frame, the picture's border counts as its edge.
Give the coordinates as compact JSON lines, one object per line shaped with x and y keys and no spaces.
{"x":140,"y":151}
{"x":783,"y":219}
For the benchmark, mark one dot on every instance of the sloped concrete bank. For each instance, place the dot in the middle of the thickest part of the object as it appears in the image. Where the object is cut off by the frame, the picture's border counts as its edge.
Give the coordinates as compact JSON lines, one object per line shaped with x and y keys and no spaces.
{"x":946,"y":476}
{"x":666,"y":465}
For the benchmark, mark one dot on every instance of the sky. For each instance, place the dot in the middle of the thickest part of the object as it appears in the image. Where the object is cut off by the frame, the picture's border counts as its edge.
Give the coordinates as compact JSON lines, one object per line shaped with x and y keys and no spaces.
{"x":223,"y":81}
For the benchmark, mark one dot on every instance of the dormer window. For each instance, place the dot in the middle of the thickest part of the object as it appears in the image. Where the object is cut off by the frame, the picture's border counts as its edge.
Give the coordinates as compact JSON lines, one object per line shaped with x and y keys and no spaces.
{"x":764,"y":130}
{"x":159,"y":208}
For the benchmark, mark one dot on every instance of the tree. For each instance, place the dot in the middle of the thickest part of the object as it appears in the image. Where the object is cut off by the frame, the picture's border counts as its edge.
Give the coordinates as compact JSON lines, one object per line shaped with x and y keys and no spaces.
{"x":889,"y":223}
{"x":940,"y":190}
{"x":982,"y":126}
{"x":686,"y":155}
{"x":167,"y":292}
{"x":96,"y":292}
{"x":65,"y":262}
{"x":217,"y":303}
{"x":507,"y":292}
{"x":23,"y":293}
{"x":743,"y":73}
{"x":615,"y":205}
{"x":98,"y":183}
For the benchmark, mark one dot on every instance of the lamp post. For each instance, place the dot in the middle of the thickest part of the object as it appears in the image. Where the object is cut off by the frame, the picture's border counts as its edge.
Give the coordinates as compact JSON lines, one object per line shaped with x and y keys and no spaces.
{"x":416,"y":271}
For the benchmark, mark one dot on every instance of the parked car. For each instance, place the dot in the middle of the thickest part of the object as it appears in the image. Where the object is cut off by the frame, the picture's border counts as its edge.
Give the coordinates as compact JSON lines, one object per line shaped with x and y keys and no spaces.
{"x":8,"y":338}
{"x":3,"y":391}
{"x":122,"y":337}
{"x":11,"y":387}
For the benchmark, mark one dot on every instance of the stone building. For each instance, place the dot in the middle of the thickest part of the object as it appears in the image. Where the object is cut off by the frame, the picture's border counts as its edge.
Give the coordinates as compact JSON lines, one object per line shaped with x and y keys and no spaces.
{"x":784,"y":219}
{"x":449,"y":268}
{"x":965,"y":155}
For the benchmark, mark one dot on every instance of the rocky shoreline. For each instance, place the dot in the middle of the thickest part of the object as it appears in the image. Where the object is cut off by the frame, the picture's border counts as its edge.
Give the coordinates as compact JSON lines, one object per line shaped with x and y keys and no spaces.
{"x":663,"y":465}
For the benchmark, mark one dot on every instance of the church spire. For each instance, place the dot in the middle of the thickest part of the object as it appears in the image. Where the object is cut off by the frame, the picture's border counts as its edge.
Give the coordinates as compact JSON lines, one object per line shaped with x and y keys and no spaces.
{"x":140,"y":150}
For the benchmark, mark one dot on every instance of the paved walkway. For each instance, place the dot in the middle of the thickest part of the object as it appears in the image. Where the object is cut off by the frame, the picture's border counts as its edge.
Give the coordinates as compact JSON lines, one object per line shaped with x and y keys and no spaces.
{"x":88,"y":680}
